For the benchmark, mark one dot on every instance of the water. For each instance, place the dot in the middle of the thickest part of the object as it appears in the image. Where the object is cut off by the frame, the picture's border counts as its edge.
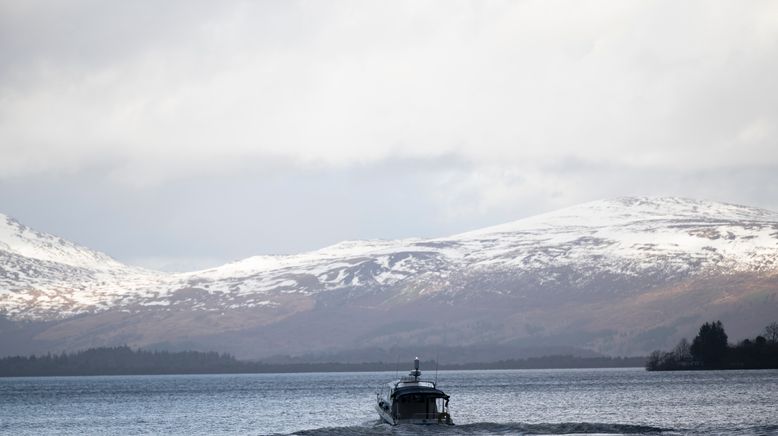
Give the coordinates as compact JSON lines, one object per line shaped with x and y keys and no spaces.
{"x":604,"y":401}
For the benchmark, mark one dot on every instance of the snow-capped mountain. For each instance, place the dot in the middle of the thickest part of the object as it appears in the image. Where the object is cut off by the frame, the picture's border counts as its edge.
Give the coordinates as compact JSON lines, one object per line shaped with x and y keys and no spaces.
{"x":617,"y":275}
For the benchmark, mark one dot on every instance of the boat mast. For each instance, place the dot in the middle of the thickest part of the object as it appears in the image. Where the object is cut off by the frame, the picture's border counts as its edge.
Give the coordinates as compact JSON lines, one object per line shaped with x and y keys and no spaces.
{"x":437,"y":362}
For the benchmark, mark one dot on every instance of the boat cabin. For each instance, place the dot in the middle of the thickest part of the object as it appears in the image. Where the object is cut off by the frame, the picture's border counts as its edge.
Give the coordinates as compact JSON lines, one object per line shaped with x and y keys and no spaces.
{"x":411,"y":400}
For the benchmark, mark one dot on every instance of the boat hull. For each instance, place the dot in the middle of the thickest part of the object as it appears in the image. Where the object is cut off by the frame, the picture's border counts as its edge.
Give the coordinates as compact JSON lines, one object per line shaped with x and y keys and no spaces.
{"x":391,"y":420}
{"x":385,"y":417}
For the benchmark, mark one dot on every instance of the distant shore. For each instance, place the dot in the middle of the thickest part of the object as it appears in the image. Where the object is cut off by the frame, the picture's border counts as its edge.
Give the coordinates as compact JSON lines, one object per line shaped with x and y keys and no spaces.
{"x":127,"y":361}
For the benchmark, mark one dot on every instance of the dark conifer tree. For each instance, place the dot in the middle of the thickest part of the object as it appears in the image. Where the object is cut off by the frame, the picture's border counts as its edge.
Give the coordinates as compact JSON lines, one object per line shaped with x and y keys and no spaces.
{"x":710,"y":346}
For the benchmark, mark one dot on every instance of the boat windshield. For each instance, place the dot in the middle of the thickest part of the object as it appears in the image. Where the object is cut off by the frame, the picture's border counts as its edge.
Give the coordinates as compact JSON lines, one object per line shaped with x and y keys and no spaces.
{"x":418,"y":383}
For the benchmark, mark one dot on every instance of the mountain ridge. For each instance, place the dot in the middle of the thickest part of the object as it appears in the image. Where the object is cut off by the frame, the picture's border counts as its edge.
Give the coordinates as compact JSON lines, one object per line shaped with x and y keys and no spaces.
{"x":583,"y":264}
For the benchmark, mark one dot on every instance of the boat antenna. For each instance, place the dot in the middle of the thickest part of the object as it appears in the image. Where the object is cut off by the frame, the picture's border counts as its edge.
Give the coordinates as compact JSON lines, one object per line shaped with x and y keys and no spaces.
{"x":397,"y":367}
{"x":437,"y":362}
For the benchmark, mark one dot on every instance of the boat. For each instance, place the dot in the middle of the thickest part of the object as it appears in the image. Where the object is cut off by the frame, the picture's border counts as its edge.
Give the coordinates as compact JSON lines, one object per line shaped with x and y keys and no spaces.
{"x":411,"y":400}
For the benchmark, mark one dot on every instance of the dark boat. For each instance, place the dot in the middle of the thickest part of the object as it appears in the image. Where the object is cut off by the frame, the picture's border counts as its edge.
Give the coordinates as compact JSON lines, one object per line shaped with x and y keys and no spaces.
{"x":411,"y":400}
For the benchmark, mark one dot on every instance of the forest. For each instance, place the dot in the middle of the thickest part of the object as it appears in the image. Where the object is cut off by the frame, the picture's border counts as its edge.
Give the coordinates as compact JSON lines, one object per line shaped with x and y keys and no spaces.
{"x":124,"y":360}
{"x":711,"y":350}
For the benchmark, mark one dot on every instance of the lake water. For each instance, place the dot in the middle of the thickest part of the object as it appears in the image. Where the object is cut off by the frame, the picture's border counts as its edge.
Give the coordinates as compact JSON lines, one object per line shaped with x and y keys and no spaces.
{"x":604,"y":401}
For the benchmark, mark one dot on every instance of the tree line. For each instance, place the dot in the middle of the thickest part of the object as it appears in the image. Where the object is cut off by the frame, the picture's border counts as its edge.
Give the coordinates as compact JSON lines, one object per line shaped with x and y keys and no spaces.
{"x":121,"y":360}
{"x":710,"y":349}
{"x":124,"y":360}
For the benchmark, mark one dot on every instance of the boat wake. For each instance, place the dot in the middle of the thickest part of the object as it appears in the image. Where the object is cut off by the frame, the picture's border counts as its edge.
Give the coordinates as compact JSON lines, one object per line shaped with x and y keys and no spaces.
{"x":487,"y":428}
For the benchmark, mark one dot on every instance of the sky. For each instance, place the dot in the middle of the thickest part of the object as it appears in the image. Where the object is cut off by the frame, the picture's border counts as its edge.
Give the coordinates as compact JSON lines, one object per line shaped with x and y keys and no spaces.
{"x":180,"y":135}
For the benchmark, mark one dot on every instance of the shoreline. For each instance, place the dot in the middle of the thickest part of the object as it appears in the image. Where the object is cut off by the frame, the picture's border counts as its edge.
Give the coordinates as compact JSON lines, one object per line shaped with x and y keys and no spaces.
{"x":125,"y":361}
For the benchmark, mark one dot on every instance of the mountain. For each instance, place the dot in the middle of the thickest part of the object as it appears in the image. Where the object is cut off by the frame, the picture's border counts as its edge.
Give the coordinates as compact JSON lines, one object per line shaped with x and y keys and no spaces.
{"x":619,"y":276}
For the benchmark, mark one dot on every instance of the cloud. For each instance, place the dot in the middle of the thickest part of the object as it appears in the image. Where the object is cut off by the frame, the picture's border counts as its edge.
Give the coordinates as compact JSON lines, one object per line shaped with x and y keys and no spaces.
{"x":178,"y":88}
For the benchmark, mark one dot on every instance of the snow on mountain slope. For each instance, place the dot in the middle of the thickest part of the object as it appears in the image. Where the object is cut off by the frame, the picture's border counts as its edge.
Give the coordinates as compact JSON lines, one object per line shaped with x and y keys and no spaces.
{"x":18,"y":239}
{"x":629,"y":235}
{"x":630,"y":210}
{"x":45,"y":277}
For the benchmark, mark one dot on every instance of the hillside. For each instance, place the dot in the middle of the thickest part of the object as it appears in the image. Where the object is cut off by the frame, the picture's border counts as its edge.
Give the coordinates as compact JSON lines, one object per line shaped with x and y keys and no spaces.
{"x":621,"y":276}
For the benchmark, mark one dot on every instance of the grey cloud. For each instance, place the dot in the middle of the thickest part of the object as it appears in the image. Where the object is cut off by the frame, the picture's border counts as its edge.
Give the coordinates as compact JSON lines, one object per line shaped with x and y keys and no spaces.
{"x":348,"y":82}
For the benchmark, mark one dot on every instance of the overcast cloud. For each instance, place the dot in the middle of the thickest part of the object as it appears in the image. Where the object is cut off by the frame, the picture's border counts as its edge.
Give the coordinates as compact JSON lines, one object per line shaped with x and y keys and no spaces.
{"x":182,"y":134}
